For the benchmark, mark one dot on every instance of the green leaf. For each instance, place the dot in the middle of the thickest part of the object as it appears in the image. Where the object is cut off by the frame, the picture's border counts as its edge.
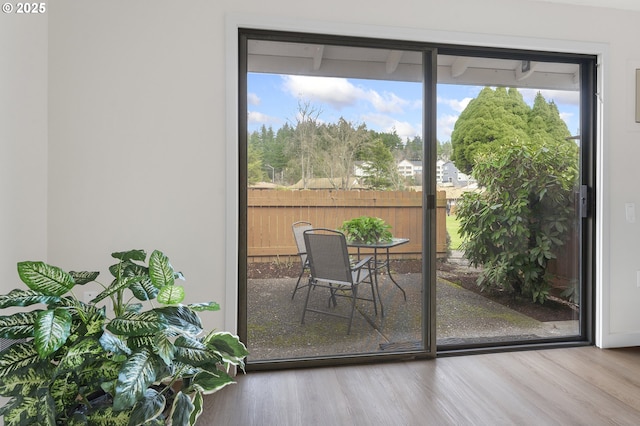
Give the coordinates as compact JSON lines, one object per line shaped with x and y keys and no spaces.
{"x":181,"y":319}
{"x":116,"y":286}
{"x":25,"y":298}
{"x":64,"y":391}
{"x":111,"y":343}
{"x":22,"y":410}
{"x":81,"y":278}
{"x":171,"y":294}
{"x":19,"y":325}
{"x":26,"y":380}
{"x":144,"y":289}
{"x":182,"y":409}
{"x":198,"y":404}
{"x":227,"y":346}
{"x":107,"y":416}
{"x":208,"y":306}
{"x":137,"y":324}
{"x":138,"y":255}
{"x":17,"y":356}
{"x":137,"y":373}
{"x":160,"y":270}
{"x":191,"y":351}
{"x":164,"y":347}
{"x":81,"y":353}
{"x":52,"y":328}
{"x":46,"y":279}
{"x":148,"y":408}
{"x":209,"y":382}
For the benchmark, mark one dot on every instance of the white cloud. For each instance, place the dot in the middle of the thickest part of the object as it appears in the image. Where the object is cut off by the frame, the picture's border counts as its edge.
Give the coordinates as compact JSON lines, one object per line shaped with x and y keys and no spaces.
{"x":455,"y":104}
{"x":253,"y":99}
{"x":565,"y":97}
{"x":341,"y":93}
{"x":255,"y":117}
{"x":337,"y":92}
{"x":445,"y":125}
{"x":386,"y":123}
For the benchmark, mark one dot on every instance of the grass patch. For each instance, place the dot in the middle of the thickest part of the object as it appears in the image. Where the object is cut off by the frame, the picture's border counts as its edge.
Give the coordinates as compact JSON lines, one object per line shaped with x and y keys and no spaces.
{"x":453,"y":225}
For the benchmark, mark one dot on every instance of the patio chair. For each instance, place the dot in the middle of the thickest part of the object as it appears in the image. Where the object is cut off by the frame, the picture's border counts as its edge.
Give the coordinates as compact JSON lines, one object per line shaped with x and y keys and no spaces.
{"x":298,"y":230}
{"x":330,"y":268}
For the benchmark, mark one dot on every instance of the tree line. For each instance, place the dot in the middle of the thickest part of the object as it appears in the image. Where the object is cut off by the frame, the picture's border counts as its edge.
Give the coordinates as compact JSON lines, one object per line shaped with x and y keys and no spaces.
{"x":310,"y":148}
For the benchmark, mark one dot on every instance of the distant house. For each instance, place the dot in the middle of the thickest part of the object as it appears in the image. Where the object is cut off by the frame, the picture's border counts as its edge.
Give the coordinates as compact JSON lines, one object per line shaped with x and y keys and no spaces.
{"x":410,"y":168}
{"x":451,"y":174}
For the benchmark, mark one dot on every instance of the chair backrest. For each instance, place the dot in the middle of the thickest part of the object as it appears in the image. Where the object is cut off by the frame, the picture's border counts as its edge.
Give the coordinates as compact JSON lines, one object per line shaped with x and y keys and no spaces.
{"x":298,"y":233}
{"x":328,"y":255}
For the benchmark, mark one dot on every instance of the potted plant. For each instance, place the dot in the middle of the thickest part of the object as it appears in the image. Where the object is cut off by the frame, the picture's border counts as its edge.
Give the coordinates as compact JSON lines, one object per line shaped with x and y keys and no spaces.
{"x":366,"y":230}
{"x":79,"y":365}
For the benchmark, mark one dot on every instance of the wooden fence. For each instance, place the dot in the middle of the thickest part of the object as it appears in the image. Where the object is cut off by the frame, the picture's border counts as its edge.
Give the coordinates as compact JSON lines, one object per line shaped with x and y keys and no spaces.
{"x":270,"y":214}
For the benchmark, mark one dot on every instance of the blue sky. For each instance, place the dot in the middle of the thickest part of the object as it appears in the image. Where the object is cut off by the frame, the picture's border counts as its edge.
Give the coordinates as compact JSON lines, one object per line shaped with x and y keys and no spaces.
{"x":382,"y":105}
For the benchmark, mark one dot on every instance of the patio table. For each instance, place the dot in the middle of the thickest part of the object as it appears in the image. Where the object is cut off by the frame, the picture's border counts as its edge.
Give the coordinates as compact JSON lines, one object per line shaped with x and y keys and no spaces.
{"x":383,"y":248}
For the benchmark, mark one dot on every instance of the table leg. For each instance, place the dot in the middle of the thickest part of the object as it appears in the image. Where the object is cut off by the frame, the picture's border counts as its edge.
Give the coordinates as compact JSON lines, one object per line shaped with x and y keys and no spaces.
{"x":391,"y":277}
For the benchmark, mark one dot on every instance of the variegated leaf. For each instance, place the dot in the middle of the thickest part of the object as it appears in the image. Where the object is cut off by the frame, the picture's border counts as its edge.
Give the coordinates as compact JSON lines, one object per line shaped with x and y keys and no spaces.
{"x":227,"y":346}
{"x":171,"y":294}
{"x":46,"y":408}
{"x":181,"y":409}
{"x":17,"y":356}
{"x":18,"y":325}
{"x":193,"y":352}
{"x":137,"y":373}
{"x":137,"y":324}
{"x":209,"y":382}
{"x":116,"y":286}
{"x":111,"y":343}
{"x":144,"y":289}
{"x":146,"y":341}
{"x":46,"y":279}
{"x":208,"y":306}
{"x":164,"y":347}
{"x":181,"y":319}
{"x":137,"y":255}
{"x":198,"y":407}
{"x":23,"y":408}
{"x":64,"y":391}
{"x":81,"y":353}
{"x":148,"y":408}
{"x":100,"y":372}
{"x":26,"y":380}
{"x":81,"y":278}
{"x":107,"y":416}
{"x":52,"y":328}
{"x":160,"y":270}
{"x":19,"y":297}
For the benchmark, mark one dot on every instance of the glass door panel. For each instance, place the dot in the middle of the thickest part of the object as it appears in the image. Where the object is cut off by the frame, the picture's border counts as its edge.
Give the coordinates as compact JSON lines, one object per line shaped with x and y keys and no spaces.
{"x":509,"y":166}
{"x":327,"y":126}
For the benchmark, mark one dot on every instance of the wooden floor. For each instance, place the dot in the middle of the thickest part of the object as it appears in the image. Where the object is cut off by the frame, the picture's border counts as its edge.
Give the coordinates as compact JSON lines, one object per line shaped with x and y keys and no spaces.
{"x":569,"y":386}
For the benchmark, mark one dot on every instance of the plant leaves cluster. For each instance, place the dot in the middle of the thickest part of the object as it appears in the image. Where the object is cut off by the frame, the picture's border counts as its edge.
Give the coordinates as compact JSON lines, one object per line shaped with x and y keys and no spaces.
{"x":366,"y":229}
{"x":75,"y":365}
{"x":528,"y":175}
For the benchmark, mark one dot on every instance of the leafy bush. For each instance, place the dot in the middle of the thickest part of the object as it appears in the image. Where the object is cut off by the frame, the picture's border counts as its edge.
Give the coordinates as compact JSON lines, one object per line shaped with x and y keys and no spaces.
{"x":366,"y":229}
{"x":521,"y":218}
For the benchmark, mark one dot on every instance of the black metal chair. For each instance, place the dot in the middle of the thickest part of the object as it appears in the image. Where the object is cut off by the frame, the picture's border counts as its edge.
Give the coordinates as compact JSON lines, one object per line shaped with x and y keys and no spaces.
{"x":330,"y":268}
{"x":298,"y":231}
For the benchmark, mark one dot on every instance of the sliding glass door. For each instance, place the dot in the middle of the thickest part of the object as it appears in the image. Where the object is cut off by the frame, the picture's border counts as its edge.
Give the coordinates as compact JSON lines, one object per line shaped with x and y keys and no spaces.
{"x":479,"y":192}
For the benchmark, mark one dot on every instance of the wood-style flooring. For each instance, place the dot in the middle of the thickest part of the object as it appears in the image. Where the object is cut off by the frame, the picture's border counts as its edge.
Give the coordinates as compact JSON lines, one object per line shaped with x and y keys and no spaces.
{"x":568,"y":386}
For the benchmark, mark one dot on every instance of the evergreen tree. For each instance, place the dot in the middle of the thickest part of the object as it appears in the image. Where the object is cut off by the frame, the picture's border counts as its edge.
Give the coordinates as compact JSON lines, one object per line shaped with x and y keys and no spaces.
{"x":494,"y":118}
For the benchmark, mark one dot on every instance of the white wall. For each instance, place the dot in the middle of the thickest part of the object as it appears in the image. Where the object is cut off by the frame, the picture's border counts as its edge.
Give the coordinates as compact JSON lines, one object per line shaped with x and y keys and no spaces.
{"x":142,"y":112}
{"x":23,"y":143}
